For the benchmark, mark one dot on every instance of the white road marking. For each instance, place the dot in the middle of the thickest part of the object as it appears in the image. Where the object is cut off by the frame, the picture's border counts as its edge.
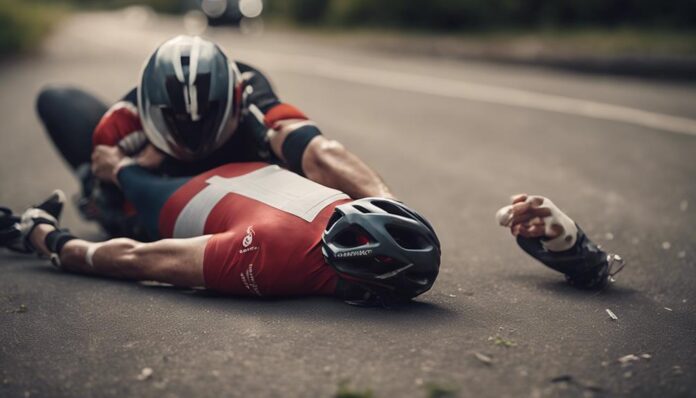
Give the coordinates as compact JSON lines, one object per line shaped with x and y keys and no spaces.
{"x":458,"y":89}
{"x":483,"y":93}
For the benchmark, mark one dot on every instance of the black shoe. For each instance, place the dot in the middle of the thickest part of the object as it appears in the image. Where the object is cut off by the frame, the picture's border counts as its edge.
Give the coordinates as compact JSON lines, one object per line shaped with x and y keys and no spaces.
{"x":54,"y":204}
{"x":9,"y":233}
{"x":585,"y":265}
{"x":14,"y":229}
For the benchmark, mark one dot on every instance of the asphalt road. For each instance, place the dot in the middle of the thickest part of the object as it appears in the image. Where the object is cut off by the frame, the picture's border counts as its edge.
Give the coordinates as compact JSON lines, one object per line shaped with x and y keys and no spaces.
{"x":454,"y":140}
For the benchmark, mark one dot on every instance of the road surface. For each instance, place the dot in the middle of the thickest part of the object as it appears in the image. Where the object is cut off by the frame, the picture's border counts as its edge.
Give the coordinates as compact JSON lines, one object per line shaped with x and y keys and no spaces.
{"x":453,"y":139}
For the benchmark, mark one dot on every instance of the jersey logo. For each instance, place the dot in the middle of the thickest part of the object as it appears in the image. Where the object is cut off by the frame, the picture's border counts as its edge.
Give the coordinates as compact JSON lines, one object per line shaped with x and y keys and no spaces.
{"x":248,"y":240}
{"x":249,"y":237}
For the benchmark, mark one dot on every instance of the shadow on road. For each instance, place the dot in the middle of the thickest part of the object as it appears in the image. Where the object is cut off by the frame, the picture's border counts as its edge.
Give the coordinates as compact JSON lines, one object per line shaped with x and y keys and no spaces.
{"x":283,"y":307}
{"x":560,"y":287}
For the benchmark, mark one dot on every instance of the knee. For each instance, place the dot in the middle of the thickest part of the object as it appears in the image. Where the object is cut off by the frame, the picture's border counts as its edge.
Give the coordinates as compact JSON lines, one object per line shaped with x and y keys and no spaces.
{"x":47,"y":100}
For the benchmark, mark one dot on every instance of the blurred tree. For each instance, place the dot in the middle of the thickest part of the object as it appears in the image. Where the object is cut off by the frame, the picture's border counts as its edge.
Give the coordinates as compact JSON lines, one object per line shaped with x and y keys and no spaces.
{"x":479,"y":14}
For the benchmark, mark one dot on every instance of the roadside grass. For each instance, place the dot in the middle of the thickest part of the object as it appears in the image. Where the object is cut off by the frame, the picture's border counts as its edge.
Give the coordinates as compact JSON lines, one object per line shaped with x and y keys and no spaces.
{"x":595,"y":41}
{"x":344,"y":391}
{"x":24,"y":23}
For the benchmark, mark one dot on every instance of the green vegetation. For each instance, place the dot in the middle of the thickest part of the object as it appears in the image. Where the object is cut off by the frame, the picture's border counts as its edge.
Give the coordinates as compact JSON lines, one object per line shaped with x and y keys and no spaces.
{"x":503,"y":342}
{"x":24,"y":23}
{"x":346,"y":392}
{"x":450,"y":15}
{"x":159,"y":5}
{"x":439,"y":391}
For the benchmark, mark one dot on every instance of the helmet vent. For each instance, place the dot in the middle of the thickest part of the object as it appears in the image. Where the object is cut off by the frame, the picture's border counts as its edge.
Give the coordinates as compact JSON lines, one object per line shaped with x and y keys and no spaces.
{"x":353,"y":237}
{"x":361,"y":209}
{"x":334,"y":218}
{"x":407,"y":239}
{"x":391,"y":208}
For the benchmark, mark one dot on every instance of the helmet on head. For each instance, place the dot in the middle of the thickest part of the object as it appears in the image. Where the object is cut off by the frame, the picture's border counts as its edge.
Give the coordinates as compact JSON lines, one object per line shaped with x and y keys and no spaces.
{"x":384,"y":247}
{"x":189,"y":97}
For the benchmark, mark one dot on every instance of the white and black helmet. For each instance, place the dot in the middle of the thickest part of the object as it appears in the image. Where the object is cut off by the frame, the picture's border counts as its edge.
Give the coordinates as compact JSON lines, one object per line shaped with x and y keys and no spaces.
{"x":383,"y":246}
{"x":188,"y":97}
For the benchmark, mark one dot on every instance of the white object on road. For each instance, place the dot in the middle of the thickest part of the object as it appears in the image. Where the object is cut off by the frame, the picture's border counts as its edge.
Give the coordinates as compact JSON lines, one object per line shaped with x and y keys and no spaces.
{"x":145,"y":374}
{"x":612,"y":315}
{"x":626,"y":360}
{"x":484,"y":358}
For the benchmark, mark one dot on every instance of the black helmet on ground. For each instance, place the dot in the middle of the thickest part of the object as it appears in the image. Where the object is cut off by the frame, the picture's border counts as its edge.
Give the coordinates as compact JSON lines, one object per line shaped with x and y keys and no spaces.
{"x":188,"y":97}
{"x":384,"y":247}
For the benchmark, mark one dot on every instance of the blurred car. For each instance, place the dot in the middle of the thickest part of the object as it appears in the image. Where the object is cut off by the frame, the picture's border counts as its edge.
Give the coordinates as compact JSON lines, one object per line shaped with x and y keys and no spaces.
{"x":230,"y":12}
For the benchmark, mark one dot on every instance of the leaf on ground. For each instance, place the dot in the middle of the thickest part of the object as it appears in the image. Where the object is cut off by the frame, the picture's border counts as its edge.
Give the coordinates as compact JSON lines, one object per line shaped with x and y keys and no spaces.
{"x":500,"y":341}
{"x":346,"y":392}
{"x":439,"y":391}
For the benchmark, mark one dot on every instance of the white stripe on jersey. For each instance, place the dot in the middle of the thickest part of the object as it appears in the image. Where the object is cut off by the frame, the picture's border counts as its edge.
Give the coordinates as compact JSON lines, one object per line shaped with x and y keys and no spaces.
{"x":270,"y":185}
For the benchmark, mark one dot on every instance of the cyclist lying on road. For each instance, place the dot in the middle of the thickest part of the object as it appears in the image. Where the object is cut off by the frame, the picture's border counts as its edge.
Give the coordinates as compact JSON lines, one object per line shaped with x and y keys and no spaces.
{"x":257,"y":229}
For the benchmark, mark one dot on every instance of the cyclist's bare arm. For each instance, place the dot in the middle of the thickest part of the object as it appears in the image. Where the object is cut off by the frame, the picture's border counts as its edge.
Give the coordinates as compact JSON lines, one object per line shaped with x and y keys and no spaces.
{"x":175,"y":261}
{"x":329,"y":163}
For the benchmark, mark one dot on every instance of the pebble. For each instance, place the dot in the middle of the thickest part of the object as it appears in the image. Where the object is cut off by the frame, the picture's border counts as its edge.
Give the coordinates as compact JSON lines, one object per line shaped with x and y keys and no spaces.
{"x":627,"y":359}
{"x":681,"y":254}
{"x":145,"y":374}
{"x":666,"y":245}
{"x":609,"y":236}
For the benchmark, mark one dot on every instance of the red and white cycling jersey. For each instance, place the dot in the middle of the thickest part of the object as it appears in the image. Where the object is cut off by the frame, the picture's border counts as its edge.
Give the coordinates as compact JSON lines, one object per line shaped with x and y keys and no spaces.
{"x":266,"y":224}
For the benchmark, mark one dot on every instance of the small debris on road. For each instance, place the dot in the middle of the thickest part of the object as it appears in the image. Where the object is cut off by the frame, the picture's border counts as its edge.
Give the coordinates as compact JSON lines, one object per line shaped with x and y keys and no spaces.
{"x":646,"y":356}
{"x":628,"y":359}
{"x":677,"y":370}
{"x":562,"y":379}
{"x":609,"y":236}
{"x":681,"y":254}
{"x":570,"y":380}
{"x":666,"y":245}
{"x":497,"y":340}
{"x":683,"y":205}
{"x":668,"y":309}
{"x":21,"y":310}
{"x":628,"y":375}
{"x":145,"y":374}
{"x":612,"y":315}
{"x":485,"y":359}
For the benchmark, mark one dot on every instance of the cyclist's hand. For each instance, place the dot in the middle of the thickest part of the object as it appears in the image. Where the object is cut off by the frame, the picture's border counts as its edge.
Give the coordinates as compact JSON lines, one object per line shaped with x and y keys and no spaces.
{"x":104,"y":161}
{"x":150,"y":157}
